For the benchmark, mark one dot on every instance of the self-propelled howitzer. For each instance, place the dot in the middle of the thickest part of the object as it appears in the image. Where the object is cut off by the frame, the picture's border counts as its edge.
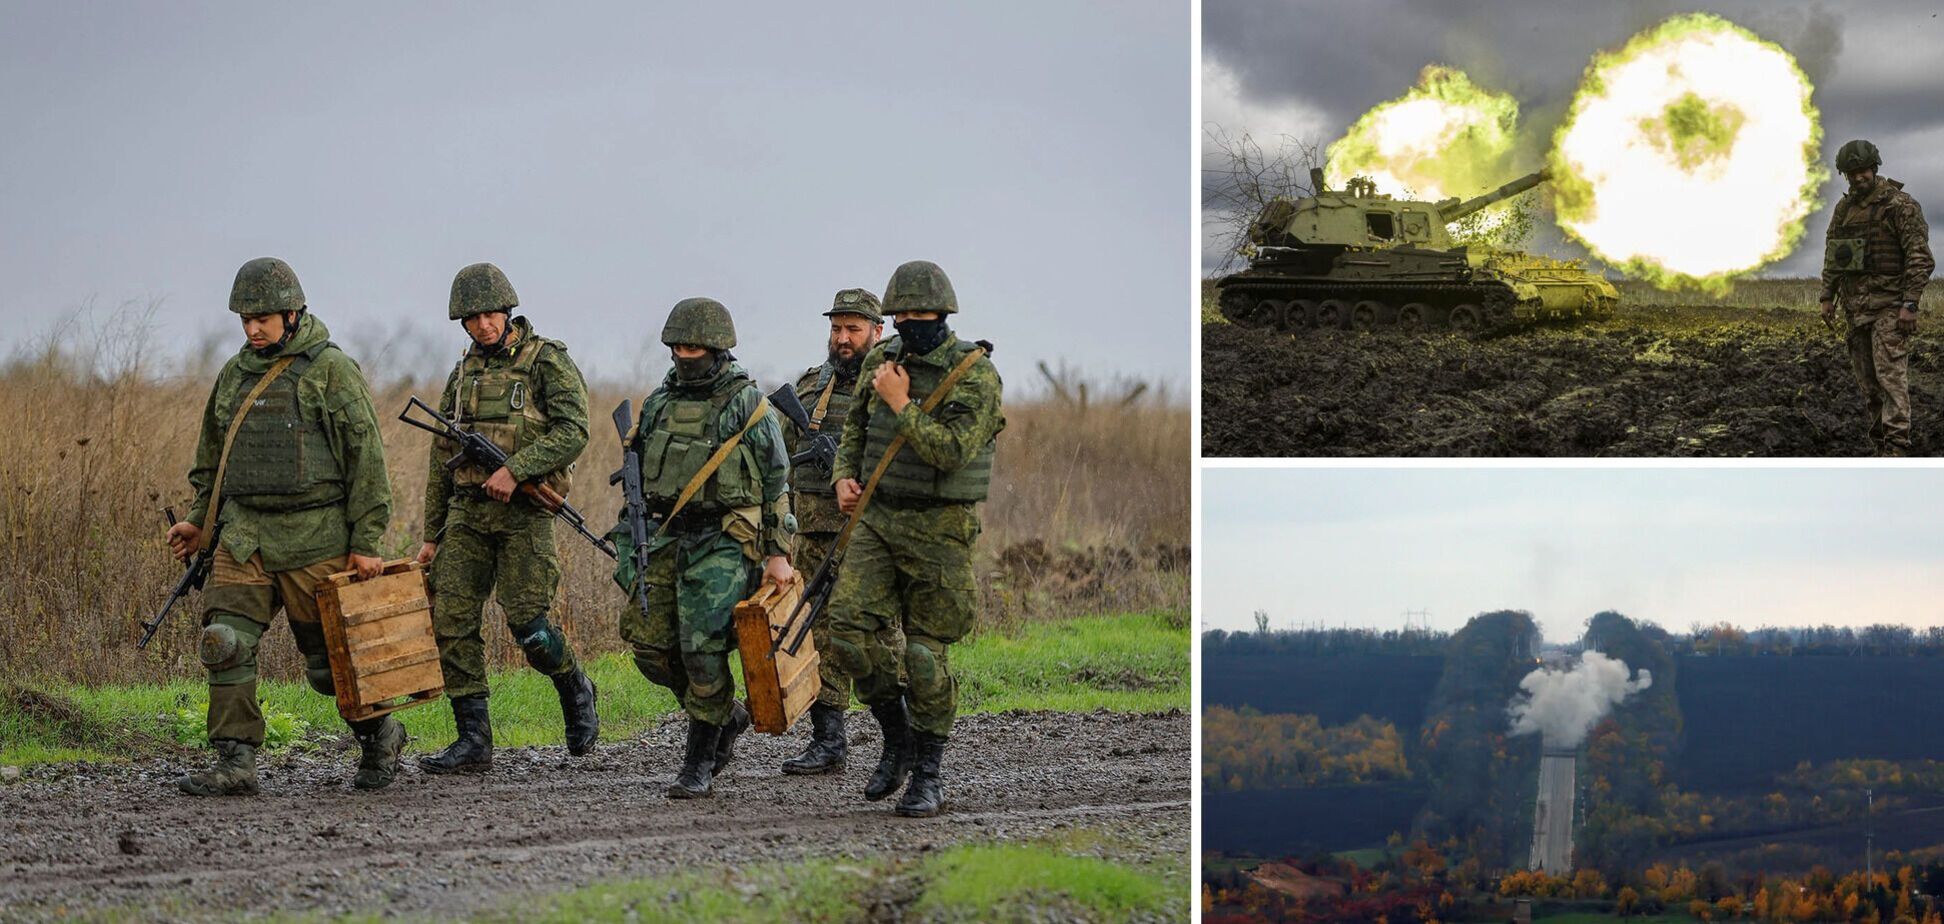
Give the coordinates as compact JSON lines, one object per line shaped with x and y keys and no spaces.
{"x":1361,"y":259}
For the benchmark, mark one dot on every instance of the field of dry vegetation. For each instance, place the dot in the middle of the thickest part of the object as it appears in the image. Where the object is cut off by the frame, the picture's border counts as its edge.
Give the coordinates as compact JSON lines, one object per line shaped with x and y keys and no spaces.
{"x":1089,"y":513}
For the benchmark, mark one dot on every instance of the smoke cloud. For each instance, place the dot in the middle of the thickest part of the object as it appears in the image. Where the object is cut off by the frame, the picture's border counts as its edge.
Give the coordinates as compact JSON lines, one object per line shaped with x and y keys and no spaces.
{"x":1562,"y":705}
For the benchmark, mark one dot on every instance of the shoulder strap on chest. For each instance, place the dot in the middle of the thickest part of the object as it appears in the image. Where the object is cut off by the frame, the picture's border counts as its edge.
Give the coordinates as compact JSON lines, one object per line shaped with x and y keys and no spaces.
{"x":229,"y":439}
{"x":930,"y":404}
{"x":708,"y":468}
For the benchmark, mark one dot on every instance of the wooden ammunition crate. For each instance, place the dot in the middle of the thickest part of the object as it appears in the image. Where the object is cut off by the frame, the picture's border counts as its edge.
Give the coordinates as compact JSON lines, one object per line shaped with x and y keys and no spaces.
{"x":780,"y":685}
{"x":384,"y":656}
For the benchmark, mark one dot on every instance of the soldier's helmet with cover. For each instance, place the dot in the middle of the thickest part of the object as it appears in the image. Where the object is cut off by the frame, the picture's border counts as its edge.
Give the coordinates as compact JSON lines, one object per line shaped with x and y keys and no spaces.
{"x":1858,"y":155}
{"x":861,"y":302}
{"x":266,"y":285}
{"x":699,"y":322}
{"x":481,"y":288}
{"x":919,"y":286}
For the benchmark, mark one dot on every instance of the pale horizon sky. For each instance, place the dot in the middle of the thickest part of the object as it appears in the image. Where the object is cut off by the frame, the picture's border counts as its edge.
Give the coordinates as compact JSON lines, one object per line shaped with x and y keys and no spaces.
{"x":1778,"y":547}
{"x":613,"y":158}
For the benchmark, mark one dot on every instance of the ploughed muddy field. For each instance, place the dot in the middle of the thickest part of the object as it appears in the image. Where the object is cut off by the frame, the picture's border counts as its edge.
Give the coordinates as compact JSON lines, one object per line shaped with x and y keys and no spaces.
{"x":118,"y":838}
{"x":1651,"y":381}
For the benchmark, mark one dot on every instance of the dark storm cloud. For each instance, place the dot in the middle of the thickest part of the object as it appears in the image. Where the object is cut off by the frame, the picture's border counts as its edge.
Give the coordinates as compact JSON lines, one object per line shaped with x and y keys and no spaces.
{"x":1878,"y":67}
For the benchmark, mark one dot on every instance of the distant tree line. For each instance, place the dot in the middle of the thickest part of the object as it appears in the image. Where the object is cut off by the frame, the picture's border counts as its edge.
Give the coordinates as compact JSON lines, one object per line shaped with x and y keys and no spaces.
{"x":1723,"y":638}
{"x":1325,"y":641}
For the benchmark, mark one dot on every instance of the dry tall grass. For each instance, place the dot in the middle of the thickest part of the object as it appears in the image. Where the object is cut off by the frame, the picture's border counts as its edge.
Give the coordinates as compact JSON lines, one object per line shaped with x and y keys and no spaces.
{"x":1090,"y":511}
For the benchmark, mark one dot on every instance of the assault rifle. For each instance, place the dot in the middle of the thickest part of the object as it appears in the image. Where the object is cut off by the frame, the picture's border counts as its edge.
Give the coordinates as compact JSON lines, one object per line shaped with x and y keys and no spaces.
{"x":475,"y":449}
{"x":822,"y":446}
{"x":810,"y":606}
{"x":193,"y":578}
{"x":634,"y":507}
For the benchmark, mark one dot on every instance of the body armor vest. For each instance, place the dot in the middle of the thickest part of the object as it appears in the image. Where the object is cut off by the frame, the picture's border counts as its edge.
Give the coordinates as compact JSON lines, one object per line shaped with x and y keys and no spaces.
{"x":1861,"y":239}
{"x":502,"y":403}
{"x":280,"y":461}
{"x":910,"y":477}
{"x":810,"y":391}
{"x":679,"y":439}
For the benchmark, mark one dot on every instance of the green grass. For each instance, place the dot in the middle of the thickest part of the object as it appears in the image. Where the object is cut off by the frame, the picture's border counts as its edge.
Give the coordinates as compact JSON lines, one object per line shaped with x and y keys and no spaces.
{"x":1125,"y":663}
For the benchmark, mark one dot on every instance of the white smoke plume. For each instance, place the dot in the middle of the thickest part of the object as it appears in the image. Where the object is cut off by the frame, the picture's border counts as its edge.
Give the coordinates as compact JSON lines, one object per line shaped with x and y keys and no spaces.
{"x":1562,"y":705}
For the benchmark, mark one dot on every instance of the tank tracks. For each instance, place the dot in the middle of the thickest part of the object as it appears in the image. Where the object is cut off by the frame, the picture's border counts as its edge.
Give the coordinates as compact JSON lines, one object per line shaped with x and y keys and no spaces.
{"x":1296,"y":305}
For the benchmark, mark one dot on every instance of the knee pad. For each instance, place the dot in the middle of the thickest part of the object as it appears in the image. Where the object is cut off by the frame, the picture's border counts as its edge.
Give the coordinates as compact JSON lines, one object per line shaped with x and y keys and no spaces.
{"x":545,"y":647}
{"x":708,"y":673}
{"x":654,"y":664}
{"x":843,"y":654}
{"x":228,"y":649}
{"x":319,"y":676}
{"x":927,"y":666}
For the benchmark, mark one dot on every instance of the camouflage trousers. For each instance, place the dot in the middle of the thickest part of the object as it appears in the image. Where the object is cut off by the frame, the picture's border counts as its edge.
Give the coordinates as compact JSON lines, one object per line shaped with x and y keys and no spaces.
{"x":1880,"y":356}
{"x":694,"y":581}
{"x":239,"y":603}
{"x":811,"y":550}
{"x":504,"y":551}
{"x":905,"y":594}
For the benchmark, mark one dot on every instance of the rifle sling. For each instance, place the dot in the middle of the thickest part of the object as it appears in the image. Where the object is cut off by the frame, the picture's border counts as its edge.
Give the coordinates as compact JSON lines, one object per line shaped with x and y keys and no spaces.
{"x":236,"y":422}
{"x":823,"y":404}
{"x":930,"y":403}
{"x":708,"y":468}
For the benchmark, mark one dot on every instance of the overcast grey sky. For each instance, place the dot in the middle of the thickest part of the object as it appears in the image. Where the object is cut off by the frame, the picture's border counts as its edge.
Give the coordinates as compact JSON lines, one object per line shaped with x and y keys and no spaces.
{"x":1781,"y":547}
{"x":1310,"y":68}
{"x":612,"y":158}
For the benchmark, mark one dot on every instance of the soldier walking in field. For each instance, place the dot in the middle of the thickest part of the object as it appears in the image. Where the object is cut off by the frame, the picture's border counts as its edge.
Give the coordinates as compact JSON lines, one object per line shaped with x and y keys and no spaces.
{"x":714,"y":474}
{"x":482,"y":535}
{"x":915,"y":458}
{"x":827,"y":390}
{"x":1876,"y":262}
{"x":290,"y":469}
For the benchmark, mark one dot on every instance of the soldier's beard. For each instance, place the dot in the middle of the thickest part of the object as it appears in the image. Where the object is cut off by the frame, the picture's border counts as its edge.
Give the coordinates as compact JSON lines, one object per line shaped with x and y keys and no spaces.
{"x":847,"y":366}
{"x":1862,"y":185}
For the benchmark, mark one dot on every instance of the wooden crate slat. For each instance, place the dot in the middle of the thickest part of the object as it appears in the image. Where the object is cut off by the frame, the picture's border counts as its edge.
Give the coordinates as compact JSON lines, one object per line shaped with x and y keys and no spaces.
{"x":386,"y":611}
{"x":384,"y":656}
{"x":402,"y":626}
{"x":775,"y":702}
{"x":411,"y":678}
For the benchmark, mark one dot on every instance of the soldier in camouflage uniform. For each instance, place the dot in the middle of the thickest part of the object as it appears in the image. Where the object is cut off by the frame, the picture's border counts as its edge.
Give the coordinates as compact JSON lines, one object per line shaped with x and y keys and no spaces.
{"x":302,"y":494}
{"x":906,"y":591}
{"x":482,"y":535}
{"x":705,"y":556}
{"x":826,"y":390}
{"x":1876,"y":261}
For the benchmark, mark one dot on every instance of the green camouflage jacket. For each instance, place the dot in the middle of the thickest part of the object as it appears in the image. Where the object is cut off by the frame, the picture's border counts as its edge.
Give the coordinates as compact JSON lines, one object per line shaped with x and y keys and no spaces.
{"x":332,"y":396}
{"x":966,"y":420}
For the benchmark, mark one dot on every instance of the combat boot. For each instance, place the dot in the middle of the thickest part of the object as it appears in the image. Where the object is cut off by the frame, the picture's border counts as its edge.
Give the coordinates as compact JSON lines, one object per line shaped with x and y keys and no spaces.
{"x":895,"y":763}
{"x":380,"y":741}
{"x":233,"y":775}
{"x":473,"y":751}
{"x":926,"y":795}
{"x":577,"y":696}
{"x":698,"y":762}
{"x":726,"y":744}
{"x":826,"y":751}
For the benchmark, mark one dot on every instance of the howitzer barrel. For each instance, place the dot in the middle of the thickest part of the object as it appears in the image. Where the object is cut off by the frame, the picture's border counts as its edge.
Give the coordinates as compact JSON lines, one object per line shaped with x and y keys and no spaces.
{"x":1497,"y":195}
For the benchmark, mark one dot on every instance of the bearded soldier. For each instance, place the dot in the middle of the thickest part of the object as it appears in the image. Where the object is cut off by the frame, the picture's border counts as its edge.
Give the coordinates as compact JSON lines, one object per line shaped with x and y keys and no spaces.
{"x":1876,"y":261}
{"x":482,"y":534}
{"x":826,"y":390}
{"x":290,"y":469}
{"x":714,"y":474}
{"x":916,"y":456}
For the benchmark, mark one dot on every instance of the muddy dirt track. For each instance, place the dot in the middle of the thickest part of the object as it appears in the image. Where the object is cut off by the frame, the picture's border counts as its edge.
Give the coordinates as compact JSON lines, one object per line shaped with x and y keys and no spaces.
{"x":119,"y":836}
{"x":1652,"y":381}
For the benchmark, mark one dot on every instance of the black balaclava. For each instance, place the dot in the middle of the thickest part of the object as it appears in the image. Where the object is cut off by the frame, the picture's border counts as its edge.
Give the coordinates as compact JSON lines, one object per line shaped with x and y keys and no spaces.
{"x":921,"y":337}
{"x":701,"y":368}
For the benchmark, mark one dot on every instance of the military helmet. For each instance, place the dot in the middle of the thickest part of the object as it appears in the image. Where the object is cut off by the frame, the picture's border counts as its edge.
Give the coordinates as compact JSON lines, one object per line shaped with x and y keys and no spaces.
{"x":919,"y":286}
{"x":1858,"y":155}
{"x":266,"y":285}
{"x":700,"y":322}
{"x":481,"y":288}
{"x":859,"y":302}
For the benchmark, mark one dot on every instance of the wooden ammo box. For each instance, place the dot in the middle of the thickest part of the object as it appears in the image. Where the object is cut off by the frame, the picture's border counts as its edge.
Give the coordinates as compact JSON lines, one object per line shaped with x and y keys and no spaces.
{"x":384,"y":656}
{"x":780,"y":685}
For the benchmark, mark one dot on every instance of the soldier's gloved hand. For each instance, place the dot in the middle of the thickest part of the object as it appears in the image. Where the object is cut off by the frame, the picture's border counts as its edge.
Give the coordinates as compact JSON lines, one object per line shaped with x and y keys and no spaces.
{"x":185,"y":539}
{"x":1906,"y":321}
{"x":1828,"y":311}
{"x":367,"y":566}
{"x":777,"y":571}
{"x":893,"y":384}
{"x":848,"y":491}
{"x":426,"y":552}
{"x":501,"y":486}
